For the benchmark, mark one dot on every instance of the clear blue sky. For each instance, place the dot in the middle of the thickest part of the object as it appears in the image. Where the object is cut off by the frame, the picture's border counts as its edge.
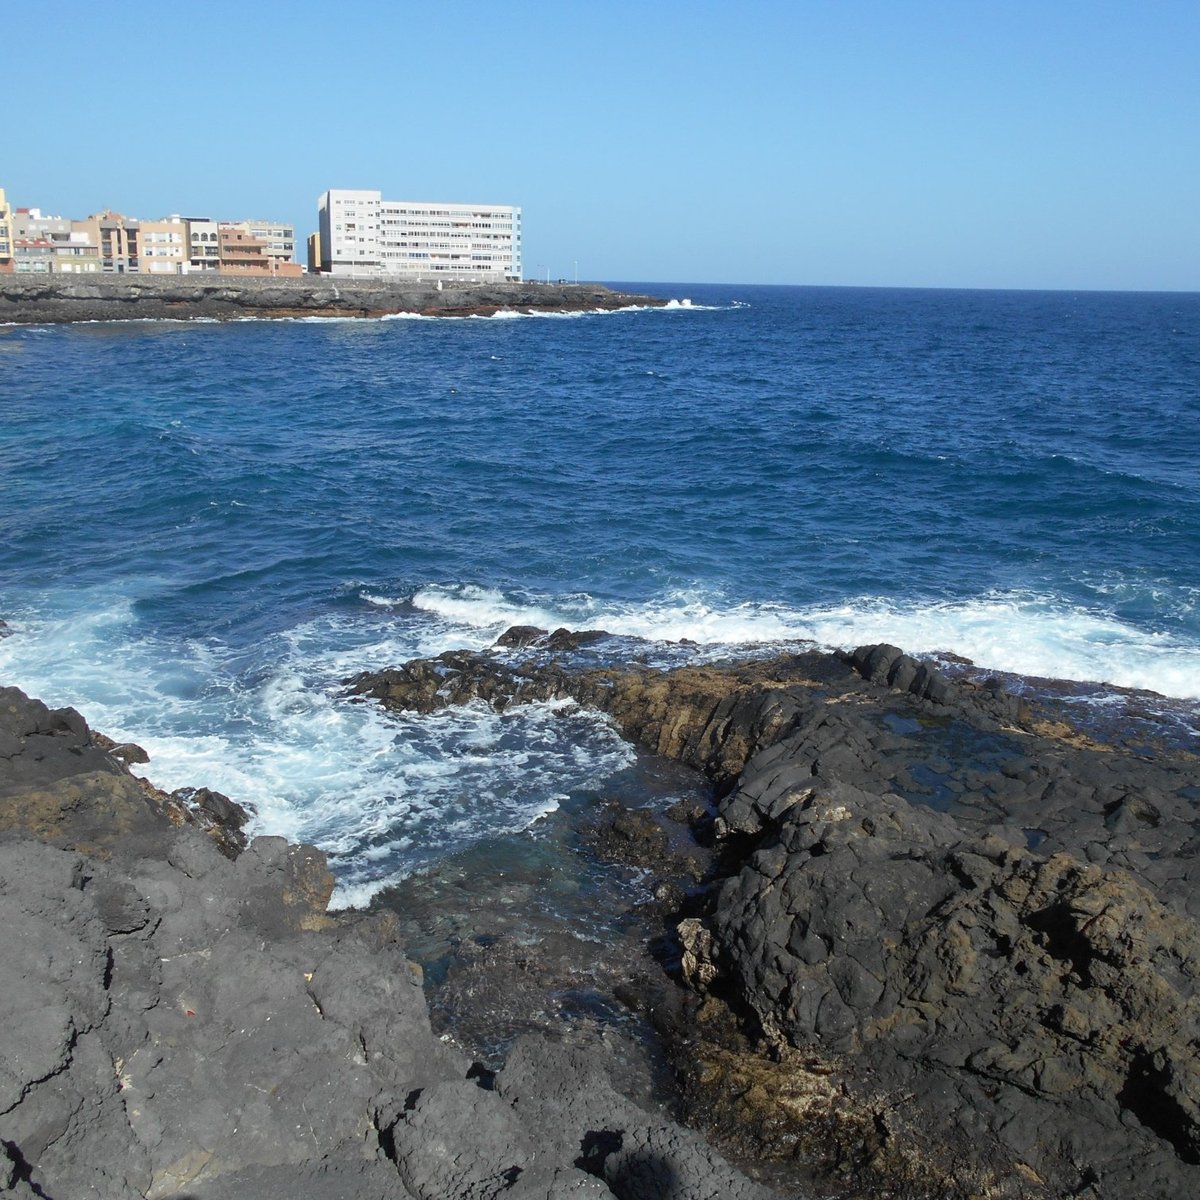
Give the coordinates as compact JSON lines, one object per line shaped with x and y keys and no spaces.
{"x":960,"y":143}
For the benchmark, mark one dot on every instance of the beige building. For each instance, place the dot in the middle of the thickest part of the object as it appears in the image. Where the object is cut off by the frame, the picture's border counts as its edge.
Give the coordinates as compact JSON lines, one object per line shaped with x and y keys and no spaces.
{"x":31,"y":224}
{"x":43,"y":244}
{"x":117,"y":237}
{"x":163,"y":247}
{"x":6,"y":234}
{"x":79,"y":252}
{"x":31,"y":241}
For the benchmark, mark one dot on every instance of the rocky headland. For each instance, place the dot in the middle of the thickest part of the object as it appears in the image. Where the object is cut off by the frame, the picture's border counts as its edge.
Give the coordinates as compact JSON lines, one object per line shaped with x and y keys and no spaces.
{"x":29,"y":300}
{"x":923,"y":939}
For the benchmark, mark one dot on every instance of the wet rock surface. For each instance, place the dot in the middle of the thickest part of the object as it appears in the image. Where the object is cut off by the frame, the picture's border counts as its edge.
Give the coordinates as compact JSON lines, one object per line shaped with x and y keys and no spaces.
{"x":950,"y":947}
{"x":183,"y":1018}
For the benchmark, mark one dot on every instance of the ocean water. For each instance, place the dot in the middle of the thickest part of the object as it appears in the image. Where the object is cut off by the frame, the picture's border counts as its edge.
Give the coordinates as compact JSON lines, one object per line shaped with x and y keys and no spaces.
{"x":205,"y":528}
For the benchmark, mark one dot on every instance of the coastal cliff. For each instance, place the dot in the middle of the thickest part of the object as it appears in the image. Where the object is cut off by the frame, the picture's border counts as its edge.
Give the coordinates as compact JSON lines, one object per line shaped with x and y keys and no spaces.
{"x":46,"y":299}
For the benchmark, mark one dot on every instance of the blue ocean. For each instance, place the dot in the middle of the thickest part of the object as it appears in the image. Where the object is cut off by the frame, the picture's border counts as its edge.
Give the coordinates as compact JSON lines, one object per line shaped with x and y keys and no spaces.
{"x":205,"y":528}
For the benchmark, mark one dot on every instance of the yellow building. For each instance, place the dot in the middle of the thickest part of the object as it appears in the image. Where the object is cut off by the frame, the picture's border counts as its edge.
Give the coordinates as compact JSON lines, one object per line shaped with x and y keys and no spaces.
{"x":6,"y":234}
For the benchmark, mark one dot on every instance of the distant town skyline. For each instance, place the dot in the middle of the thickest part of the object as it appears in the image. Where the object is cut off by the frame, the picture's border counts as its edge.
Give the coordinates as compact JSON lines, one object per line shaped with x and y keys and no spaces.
{"x":931,"y":144}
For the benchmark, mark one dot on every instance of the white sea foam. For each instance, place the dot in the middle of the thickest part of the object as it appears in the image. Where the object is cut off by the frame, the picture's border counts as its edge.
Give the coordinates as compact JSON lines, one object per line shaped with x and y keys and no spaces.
{"x":688,"y":305}
{"x":1022,"y":633}
{"x":487,"y":609}
{"x":502,"y":314}
{"x":513,"y":314}
{"x":269,"y":725}
{"x":383,"y":601}
{"x":380,"y":793}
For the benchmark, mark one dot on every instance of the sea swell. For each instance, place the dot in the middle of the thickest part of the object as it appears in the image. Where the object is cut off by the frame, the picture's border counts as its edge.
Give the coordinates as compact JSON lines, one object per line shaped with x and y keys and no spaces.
{"x":270,"y":725}
{"x":208,"y":527}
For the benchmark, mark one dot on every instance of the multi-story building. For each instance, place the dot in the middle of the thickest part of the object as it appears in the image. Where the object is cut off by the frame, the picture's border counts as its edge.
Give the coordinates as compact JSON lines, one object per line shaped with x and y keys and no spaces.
{"x":31,"y":224}
{"x":279,"y":241}
{"x":204,"y":244}
{"x":44,"y":244}
{"x":33,"y":255}
{"x":79,"y":252}
{"x":31,"y":241}
{"x":163,"y":247}
{"x":348,"y":225}
{"x":363,"y":234}
{"x":244,"y":254}
{"x":117,"y":237}
{"x":6,"y":234}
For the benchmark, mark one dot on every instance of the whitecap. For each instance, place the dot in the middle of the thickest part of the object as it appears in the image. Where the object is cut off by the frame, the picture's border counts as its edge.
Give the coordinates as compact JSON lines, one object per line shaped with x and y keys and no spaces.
{"x":380,"y":793}
{"x":1018,"y":632}
{"x":483,"y":608}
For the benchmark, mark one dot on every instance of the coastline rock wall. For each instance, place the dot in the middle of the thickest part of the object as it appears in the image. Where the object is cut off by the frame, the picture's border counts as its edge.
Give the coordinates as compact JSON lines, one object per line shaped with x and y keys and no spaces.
{"x":27,"y":299}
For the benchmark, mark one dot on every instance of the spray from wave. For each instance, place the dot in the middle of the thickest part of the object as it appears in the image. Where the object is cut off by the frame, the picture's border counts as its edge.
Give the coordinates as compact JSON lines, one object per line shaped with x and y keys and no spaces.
{"x":1021,"y":633}
{"x":270,"y":725}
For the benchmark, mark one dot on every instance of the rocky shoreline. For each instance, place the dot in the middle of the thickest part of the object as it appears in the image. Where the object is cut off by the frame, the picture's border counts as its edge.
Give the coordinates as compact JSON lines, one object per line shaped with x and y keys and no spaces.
{"x":27,"y":299}
{"x":949,"y":943}
{"x":183,"y":1018}
{"x":921,"y":938}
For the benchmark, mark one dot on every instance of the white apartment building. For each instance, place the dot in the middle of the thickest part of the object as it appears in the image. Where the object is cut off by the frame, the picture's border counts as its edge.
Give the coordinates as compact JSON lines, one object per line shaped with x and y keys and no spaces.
{"x":348,"y":221}
{"x":204,"y":251}
{"x":363,"y":234}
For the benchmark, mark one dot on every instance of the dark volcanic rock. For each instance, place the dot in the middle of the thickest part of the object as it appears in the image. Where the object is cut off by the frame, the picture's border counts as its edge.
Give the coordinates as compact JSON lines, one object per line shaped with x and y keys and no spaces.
{"x":629,"y":836}
{"x":963,"y":934}
{"x":566,"y":1094}
{"x":28,"y":299}
{"x":180,"y":1035}
{"x":890,"y":666}
{"x":1033,"y":1002}
{"x":73,"y":789}
{"x":711,"y":718}
{"x":1044,"y":1000}
{"x":521,"y":635}
{"x":221,"y":818}
{"x":183,"y":1020}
